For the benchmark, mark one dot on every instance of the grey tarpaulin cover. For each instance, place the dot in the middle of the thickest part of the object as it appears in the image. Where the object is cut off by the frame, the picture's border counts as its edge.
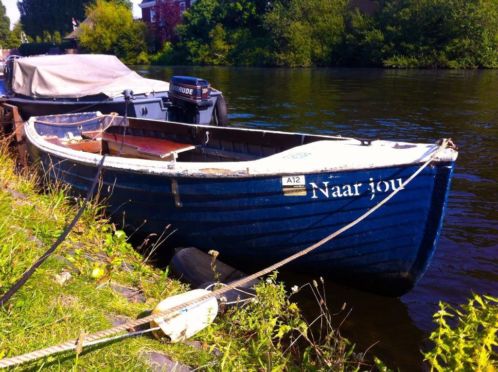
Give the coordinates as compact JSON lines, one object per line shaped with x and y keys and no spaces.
{"x":78,"y":75}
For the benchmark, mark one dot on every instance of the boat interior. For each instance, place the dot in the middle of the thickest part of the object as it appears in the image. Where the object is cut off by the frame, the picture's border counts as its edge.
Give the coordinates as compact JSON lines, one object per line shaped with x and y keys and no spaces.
{"x":168,"y":141}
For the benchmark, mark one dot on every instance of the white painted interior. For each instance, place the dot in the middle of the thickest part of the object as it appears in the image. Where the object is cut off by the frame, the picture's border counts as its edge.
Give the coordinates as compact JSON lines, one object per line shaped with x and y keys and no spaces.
{"x":321,"y":156}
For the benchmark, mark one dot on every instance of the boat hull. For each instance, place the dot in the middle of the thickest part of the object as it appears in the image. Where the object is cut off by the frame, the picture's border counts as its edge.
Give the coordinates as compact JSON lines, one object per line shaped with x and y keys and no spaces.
{"x":150,"y":108}
{"x":256,"y":221}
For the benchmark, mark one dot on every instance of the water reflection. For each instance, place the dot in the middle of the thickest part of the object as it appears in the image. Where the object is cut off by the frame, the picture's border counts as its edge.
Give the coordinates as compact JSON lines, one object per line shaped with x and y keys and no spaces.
{"x":367,"y":320}
{"x":403,"y":105}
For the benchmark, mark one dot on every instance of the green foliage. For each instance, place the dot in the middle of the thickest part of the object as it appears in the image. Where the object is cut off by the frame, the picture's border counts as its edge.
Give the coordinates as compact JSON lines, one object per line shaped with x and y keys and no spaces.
{"x":306,"y":32}
{"x":14,"y":40}
{"x":363,"y":41}
{"x":199,"y":20}
{"x":112,"y":30}
{"x":4,"y":27}
{"x":165,"y":56}
{"x":253,"y":339}
{"x":47,"y":37}
{"x":198,"y":23}
{"x":45,"y":311}
{"x":220,"y":32}
{"x":9,"y":39}
{"x":399,"y":34}
{"x":126,"y":3}
{"x":244,"y":32}
{"x":440,"y":33}
{"x":270,"y":333}
{"x":218,"y":45}
{"x":38,"y":16}
{"x":56,"y":37}
{"x":31,"y":49}
{"x":471,"y":345}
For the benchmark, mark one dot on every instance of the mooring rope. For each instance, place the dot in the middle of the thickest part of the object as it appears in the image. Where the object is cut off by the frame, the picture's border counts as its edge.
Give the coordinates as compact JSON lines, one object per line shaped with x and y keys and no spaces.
{"x":27,"y":274}
{"x":174,"y":311}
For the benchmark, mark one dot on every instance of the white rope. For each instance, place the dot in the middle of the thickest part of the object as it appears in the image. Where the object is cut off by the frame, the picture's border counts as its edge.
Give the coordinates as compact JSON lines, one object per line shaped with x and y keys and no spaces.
{"x":224,"y":301}
{"x":126,"y":335}
{"x":174,"y":311}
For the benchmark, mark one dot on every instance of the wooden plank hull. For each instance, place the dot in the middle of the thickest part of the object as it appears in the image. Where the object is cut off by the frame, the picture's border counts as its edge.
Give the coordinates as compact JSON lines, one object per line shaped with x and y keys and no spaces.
{"x":251,"y":222}
{"x":255,"y":221}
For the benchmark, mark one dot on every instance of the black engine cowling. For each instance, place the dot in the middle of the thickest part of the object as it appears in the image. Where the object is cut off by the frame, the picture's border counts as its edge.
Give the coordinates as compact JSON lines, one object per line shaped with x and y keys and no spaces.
{"x":194,"y":101}
{"x":189,"y":89}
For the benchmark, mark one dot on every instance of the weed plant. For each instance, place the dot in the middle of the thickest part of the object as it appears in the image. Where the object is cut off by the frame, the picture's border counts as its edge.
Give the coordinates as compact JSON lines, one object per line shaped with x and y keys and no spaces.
{"x":270,"y":334}
{"x":471,"y":344}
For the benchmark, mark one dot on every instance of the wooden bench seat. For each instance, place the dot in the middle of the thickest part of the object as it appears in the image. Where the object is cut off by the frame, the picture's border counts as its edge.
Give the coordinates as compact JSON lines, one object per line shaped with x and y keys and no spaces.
{"x":140,"y":147}
{"x":86,"y":145}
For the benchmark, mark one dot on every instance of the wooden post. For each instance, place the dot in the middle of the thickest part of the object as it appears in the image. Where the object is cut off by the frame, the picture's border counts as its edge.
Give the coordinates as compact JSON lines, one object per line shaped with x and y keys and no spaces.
{"x":12,"y":122}
{"x":5,"y":120}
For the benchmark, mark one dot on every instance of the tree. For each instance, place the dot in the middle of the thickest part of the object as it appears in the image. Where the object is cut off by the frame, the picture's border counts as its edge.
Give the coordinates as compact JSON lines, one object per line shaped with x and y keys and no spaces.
{"x":111,"y":29}
{"x":306,"y":32}
{"x":440,"y":33}
{"x":4,"y":27}
{"x":15,"y":38}
{"x":38,"y":16}
{"x":247,"y":37}
{"x":224,"y":32}
{"x":126,"y":3}
{"x":363,"y":41}
{"x":200,"y":19}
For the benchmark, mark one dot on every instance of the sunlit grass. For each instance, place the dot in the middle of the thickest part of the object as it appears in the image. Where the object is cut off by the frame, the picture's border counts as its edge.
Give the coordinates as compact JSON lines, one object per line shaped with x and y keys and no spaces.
{"x":44,"y":312}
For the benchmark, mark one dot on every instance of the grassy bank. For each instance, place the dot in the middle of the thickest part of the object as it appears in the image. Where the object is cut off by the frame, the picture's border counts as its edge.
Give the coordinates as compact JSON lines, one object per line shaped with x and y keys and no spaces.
{"x":95,"y":280}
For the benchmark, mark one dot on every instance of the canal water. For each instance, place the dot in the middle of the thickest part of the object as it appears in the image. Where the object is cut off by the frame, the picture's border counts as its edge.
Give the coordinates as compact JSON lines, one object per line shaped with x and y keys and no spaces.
{"x":413,"y":105}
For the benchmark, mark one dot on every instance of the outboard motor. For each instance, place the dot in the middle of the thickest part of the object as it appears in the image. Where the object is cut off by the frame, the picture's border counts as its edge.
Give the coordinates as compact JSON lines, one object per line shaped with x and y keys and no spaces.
{"x":194,"y":101}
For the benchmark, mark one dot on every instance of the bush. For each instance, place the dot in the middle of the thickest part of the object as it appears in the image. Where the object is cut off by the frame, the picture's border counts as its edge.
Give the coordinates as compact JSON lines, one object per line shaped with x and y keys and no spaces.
{"x":165,"y":56}
{"x":270,"y":333}
{"x":472,"y":344}
{"x":31,"y":49}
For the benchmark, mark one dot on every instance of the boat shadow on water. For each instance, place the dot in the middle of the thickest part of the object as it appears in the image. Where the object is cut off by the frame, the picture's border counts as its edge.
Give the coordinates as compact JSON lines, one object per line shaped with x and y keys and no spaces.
{"x":377,"y":324}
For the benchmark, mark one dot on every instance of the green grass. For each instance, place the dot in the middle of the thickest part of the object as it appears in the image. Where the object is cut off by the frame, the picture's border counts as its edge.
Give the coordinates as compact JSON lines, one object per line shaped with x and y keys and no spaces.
{"x":43,"y":312}
{"x":267,"y":334}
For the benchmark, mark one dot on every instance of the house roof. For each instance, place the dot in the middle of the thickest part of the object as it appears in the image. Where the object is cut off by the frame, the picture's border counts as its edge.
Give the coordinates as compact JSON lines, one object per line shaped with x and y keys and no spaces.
{"x":147,"y":4}
{"x":75,"y":34}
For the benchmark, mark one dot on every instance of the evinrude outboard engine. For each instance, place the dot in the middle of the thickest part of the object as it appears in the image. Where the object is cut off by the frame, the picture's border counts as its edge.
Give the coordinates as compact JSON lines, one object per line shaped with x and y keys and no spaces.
{"x":193,"y":100}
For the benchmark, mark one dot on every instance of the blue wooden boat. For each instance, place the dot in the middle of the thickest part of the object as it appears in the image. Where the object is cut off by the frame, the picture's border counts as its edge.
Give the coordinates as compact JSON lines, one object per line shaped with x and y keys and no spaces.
{"x":59,"y":84}
{"x":258,"y":196}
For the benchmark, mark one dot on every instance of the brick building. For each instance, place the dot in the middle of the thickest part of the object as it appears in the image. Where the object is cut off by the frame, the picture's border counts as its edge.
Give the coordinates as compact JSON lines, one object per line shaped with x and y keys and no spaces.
{"x":162,"y":16}
{"x":150,"y":11}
